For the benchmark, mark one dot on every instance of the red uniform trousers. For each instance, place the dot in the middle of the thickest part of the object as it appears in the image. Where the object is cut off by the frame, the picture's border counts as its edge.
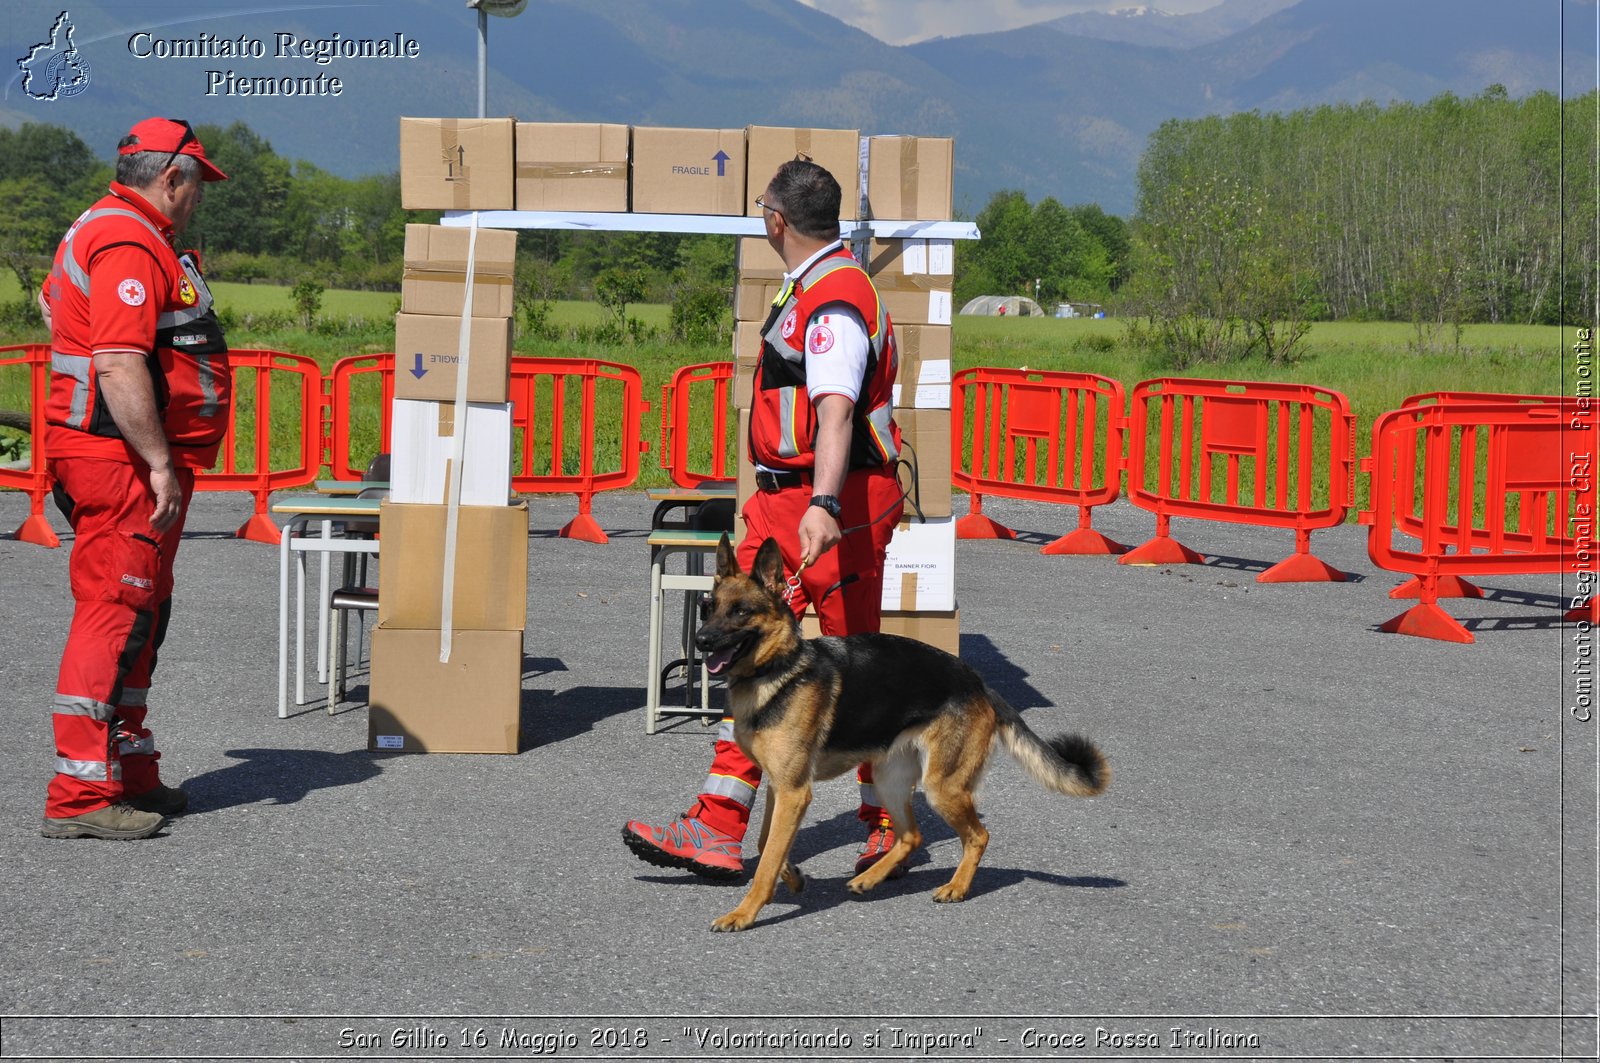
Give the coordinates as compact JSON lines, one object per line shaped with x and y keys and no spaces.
{"x":845,"y":585}
{"x":121,"y":573}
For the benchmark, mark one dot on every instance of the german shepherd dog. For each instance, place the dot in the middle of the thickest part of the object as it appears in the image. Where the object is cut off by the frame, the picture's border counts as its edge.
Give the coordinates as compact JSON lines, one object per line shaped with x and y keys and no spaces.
{"x":812,"y":709}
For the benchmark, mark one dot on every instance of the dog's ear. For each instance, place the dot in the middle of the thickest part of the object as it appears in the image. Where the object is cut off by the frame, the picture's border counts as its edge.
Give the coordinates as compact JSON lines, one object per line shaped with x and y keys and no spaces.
{"x":768,"y":567}
{"x":727,"y":560}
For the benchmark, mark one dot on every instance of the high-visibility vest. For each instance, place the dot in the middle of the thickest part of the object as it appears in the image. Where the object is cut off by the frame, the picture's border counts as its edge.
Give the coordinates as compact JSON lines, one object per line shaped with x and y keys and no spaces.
{"x":188,"y":366}
{"x":783,"y":423}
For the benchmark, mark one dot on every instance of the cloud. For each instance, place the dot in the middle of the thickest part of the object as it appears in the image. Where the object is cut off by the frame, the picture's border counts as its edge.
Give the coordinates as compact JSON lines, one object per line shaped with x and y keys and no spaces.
{"x":897,"y":22}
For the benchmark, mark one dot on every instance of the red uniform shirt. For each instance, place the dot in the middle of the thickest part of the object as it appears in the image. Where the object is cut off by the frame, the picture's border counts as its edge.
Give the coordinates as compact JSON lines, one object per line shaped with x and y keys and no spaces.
{"x":118,"y":285}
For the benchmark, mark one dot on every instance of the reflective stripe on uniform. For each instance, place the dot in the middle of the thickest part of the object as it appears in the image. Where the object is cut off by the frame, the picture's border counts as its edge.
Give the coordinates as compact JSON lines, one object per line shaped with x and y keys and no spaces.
{"x":135,"y":697}
{"x":869,"y":795}
{"x":75,"y":705}
{"x":879,"y":422}
{"x":208,"y":384}
{"x":788,"y":445}
{"x":69,"y":263}
{"x":731,"y":787}
{"x":90,"y":770}
{"x":725,"y":731}
{"x":76,"y":368}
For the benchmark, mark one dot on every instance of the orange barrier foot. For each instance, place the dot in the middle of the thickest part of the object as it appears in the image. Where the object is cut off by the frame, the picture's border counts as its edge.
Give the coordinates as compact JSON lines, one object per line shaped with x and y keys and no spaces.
{"x":1302,"y":568}
{"x":1428,"y":621}
{"x":37,"y":530}
{"x":1084,"y":541}
{"x":978,"y":526}
{"x":1589,"y":612}
{"x":1449,"y":587}
{"x":1162,"y":550}
{"x":583,"y":527}
{"x":259,"y":529}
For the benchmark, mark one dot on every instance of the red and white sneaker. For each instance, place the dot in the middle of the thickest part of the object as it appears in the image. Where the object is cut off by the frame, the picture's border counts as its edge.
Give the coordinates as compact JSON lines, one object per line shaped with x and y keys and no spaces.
{"x":879,"y":842}
{"x":690,"y":844}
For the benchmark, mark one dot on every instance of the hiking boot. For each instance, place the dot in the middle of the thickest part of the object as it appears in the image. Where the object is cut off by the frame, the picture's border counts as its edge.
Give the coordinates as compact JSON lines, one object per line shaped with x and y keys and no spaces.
{"x":165,"y":800}
{"x":879,"y":842}
{"x":689,"y":844}
{"x":119,"y":822}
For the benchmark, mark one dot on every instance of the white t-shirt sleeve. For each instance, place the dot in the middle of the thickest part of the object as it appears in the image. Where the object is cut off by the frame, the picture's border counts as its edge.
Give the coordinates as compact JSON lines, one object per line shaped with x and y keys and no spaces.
{"x":836,"y":352}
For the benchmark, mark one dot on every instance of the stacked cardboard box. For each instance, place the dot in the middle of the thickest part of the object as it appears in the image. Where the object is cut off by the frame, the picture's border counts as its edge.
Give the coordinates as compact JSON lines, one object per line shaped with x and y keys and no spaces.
{"x":473,"y":702}
{"x":470,"y":702}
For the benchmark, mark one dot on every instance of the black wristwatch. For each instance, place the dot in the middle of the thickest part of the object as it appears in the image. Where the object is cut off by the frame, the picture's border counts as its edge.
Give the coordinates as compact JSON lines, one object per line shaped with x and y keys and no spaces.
{"x":828,"y":503}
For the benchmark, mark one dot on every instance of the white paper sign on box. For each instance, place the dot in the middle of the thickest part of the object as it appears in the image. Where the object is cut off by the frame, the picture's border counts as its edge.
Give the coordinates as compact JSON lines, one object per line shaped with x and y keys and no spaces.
{"x":420,"y":451}
{"x":919,"y":571}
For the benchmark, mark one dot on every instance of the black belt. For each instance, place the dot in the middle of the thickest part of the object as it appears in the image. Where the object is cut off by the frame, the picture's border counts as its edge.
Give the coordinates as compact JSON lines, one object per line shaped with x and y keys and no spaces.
{"x":767,"y":480}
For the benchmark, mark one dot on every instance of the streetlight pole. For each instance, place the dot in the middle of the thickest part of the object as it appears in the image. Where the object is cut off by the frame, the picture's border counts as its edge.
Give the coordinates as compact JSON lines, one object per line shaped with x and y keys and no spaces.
{"x":485,"y":8}
{"x":483,"y":63}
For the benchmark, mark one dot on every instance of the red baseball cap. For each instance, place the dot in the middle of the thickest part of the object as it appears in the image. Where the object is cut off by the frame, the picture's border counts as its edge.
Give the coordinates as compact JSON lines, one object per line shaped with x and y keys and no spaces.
{"x":172,"y":135}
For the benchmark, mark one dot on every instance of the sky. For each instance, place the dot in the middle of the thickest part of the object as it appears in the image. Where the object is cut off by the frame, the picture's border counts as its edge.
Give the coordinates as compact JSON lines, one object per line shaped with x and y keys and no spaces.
{"x":903,"y":22}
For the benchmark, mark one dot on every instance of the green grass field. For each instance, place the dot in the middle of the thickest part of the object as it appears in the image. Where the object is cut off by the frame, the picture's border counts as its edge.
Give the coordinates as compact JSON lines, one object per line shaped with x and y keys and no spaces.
{"x":1376,"y":365}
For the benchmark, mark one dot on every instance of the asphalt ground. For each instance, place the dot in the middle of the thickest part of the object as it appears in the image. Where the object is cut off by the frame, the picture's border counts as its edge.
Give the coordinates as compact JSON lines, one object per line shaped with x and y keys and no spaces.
{"x":1322,"y":841}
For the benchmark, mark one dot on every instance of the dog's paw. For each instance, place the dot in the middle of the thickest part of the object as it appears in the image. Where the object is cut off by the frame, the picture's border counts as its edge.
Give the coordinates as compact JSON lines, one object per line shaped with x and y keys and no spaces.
{"x":793,"y":878}
{"x":732,"y":922}
{"x":949,"y":894}
{"x":857,"y":886}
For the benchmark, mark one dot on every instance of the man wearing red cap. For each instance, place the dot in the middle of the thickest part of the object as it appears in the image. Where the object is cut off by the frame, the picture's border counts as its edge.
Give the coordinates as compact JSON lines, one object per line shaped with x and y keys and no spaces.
{"x":139,"y":399}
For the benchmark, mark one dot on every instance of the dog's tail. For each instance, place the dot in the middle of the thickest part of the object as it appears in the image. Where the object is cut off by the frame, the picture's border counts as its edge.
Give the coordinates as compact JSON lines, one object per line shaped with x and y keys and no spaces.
{"x":1068,"y":764}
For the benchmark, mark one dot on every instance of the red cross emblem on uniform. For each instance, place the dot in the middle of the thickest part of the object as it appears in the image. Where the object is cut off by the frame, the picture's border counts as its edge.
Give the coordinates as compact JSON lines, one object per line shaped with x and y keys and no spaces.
{"x":131,"y":292}
{"x":821,"y":340}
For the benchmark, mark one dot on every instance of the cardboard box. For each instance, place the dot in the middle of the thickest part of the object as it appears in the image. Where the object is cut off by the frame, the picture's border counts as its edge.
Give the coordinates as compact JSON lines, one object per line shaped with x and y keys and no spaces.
{"x":836,"y":150}
{"x":746,"y":485}
{"x":572,"y":166}
{"x":457,"y":163}
{"x":435,"y":275}
{"x":919,"y":571}
{"x":427,"y":357}
{"x":909,"y":178}
{"x":688,"y":171}
{"x":473,"y":704}
{"x":925,"y":438}
{"x":756,"y":260}
{"x":752,"y":297}
{"x":917,"y":307}
{"x":421,"y":449}
{"x":923,"y":381}
{"x":941,"y":629}
{"x":491,"y":569}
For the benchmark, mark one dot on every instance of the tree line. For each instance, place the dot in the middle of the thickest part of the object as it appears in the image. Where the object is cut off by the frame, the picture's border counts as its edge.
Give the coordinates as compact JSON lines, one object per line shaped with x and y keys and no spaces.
{"x":1453,"y":211}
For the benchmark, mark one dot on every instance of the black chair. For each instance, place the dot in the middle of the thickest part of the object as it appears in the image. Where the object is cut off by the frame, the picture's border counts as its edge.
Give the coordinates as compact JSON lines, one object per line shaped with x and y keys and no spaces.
{"x":353,"y":594}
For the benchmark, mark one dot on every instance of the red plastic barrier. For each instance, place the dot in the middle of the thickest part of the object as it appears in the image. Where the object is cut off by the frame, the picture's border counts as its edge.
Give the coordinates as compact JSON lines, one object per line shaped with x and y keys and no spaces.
{"x":35,"y":479}
{"x":543,"y":446}
{"x":1275,"y":429}
{"x":1077,"y":421}
{"x":1409,"y":517}
{"x":349,"y":374}
{"x":535,"y":379}
{"x":677,"y":423}
{"x":1529,"y":466}
{"x":263,"y":419}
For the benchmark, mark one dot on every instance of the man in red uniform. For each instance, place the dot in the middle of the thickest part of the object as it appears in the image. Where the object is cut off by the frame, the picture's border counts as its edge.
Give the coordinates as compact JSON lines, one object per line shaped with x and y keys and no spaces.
{"x":825,"y":445}
{"x":139,"y":395}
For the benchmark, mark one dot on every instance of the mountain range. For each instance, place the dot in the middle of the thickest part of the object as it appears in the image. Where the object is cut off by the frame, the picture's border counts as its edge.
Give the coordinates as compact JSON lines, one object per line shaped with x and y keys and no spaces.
{"x":1062,"y":108}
